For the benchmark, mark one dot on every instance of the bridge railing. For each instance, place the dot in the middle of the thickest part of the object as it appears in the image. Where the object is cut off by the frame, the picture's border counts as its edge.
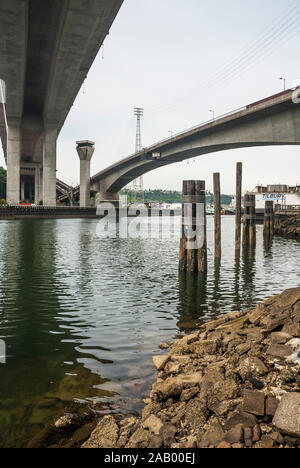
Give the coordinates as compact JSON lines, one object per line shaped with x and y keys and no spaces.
{"x":199,"y":126}
{"x":220,"y":117}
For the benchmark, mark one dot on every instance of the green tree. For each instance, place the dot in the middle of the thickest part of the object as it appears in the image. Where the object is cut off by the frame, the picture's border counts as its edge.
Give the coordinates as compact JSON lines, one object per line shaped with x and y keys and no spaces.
{"x":168,"y":196}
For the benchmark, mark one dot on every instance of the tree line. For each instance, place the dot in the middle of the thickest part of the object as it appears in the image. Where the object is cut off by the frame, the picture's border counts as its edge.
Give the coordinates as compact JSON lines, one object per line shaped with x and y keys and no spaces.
{"x":170,"y":197}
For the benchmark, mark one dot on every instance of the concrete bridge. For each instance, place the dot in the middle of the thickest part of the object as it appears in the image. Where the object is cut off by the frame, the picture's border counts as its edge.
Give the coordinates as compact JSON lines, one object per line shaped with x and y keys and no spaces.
{"x":272,"y":121}
{"x":46,"y":51}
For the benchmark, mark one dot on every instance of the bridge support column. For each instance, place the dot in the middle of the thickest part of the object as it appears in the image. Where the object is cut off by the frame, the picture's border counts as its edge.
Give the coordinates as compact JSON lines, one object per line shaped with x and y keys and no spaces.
{"x":13,"y":165}
{"x":49,"y":167}
{"x":22,"y":190}
{"x":85,"y":150}
{"x":38,"y":194}
{"x":103,"y":196}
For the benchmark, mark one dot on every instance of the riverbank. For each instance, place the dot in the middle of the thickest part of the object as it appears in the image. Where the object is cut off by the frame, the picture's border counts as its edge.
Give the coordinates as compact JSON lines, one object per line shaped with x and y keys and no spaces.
{"x":234,"y":383}
{"x":289,"y":228}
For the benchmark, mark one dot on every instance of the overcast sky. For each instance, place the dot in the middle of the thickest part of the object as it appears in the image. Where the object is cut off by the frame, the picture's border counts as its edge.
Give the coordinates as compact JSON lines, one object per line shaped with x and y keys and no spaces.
{"x":178,"y":59}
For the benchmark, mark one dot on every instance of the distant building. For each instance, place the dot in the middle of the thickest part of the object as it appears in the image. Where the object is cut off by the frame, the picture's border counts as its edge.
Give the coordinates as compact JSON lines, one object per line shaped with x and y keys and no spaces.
{"x":280,"y":194}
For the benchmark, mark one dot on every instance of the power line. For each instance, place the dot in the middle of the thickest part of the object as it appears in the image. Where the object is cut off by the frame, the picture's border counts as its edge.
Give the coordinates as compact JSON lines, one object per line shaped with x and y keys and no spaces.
{"x":283,"y":27}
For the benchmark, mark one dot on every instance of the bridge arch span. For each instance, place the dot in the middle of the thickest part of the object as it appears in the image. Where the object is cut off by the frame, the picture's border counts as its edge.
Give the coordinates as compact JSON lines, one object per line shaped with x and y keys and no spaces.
{"x":116,"y":182}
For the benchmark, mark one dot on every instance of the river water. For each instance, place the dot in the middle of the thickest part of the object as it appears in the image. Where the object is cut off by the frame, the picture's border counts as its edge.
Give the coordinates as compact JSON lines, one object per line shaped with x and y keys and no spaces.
{"x":82,"y":316}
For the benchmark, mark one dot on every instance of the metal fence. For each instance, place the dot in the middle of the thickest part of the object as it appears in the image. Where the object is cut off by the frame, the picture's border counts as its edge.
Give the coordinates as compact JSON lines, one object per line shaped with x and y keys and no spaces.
{"x":287,"y":209}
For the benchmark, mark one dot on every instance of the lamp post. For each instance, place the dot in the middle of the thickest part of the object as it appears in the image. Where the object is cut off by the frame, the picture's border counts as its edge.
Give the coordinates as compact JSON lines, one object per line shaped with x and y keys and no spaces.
{"x":213,"y":113}
{"x":284,"y":82}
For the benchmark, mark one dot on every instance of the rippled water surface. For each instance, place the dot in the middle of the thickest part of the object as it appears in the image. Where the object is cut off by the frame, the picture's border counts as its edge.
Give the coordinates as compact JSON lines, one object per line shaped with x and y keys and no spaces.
{"x":82,"y":316}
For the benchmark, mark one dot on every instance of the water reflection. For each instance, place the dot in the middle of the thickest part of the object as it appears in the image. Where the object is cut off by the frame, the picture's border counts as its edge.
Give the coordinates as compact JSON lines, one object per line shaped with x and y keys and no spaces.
{"x":43,"y":371}
{"x":83,"y":316}
{"x":248,"y":274}
{"x":192,"y":299}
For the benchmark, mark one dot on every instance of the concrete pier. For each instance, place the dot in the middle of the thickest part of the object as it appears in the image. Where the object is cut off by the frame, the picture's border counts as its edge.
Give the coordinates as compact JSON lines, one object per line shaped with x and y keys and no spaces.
{"x":46,"y":50}
{"x":49,"y":167}
{"x":85,"y":150}
{"x":13,"y":165}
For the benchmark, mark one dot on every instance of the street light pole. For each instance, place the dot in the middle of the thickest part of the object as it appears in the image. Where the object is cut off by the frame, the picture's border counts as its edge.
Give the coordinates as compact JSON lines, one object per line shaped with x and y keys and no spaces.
{"x":213,"y":113}
{"x":284,"y":82}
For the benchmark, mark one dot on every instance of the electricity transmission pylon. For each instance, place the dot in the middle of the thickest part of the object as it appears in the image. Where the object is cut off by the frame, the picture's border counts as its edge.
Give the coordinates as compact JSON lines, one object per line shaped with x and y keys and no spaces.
{"x":138,"y":184}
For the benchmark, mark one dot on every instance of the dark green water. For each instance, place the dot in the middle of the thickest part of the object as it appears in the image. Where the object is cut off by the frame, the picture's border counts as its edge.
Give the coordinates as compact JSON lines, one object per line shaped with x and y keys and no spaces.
{"x":82,"y":317}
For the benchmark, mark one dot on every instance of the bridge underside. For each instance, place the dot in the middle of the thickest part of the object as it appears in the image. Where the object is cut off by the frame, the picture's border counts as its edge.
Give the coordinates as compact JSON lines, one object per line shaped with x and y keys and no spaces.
{"x":46,"y":49}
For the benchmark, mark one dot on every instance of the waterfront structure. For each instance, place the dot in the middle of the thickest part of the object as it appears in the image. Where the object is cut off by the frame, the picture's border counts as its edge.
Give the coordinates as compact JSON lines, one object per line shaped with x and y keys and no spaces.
{"x":272,"y":121}
{"x":46,"y":50}
{"x":283,"y":195}
{"x":85,"y":150}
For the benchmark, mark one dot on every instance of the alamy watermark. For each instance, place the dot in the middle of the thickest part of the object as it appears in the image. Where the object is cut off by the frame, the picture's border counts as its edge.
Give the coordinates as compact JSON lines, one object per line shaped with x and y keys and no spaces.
{"x":142,"y":223}
{"x":2,"y":352}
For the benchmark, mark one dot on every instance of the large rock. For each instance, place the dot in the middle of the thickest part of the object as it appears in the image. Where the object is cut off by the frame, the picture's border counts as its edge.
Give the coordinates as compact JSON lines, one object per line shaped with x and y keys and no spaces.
{"x":287,"y":416}
{"x":160,"y":361}
{"x":105,"y":435}
{"x":279,"y":351}
{"x":144,"y":439}
{"x":235,"y":435}
{"x":253,"y":366}
{"x":254,"y":402}
{"x":240,"y":417}
{"x":214,"y":434}
{"x":153,"y":423}
{"x":174,"y":386}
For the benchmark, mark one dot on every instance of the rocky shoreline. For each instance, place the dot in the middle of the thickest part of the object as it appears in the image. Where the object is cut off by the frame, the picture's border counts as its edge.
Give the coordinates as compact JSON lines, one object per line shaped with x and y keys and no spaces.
{"x":234,"y":383}
{"x":289,"y":228}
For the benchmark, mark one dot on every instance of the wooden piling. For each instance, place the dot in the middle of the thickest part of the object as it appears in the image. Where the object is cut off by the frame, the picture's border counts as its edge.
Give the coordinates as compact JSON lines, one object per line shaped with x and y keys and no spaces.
{"x":238,"y":212}
{"x":249,"y":221}
{"x":269,"y":219}
{"x":217,"y":202}
{"x":193,"y":243}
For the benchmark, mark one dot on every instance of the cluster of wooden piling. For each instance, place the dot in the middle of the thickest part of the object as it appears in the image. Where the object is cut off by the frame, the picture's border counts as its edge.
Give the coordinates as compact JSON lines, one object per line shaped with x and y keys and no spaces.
{"x":269,"y":220}
{"x":238,"y":207}
{"x":217,"y":200}
{"x":193,"y":244}
{"x":249,"y":221}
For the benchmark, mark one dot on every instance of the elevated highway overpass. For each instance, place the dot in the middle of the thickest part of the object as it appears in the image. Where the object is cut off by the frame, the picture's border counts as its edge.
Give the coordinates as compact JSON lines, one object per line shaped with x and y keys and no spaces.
{"x":46,"y":50}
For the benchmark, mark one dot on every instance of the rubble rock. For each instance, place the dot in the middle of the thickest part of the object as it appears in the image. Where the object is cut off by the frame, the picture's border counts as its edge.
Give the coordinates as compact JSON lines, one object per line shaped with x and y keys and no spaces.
{"x":154,"y":424}
{"x":235,"y":435}
{"x":254,"y":402}
{"x":271,"y":406}
{"x":105,"y":435}
{"x":287,"y":416}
